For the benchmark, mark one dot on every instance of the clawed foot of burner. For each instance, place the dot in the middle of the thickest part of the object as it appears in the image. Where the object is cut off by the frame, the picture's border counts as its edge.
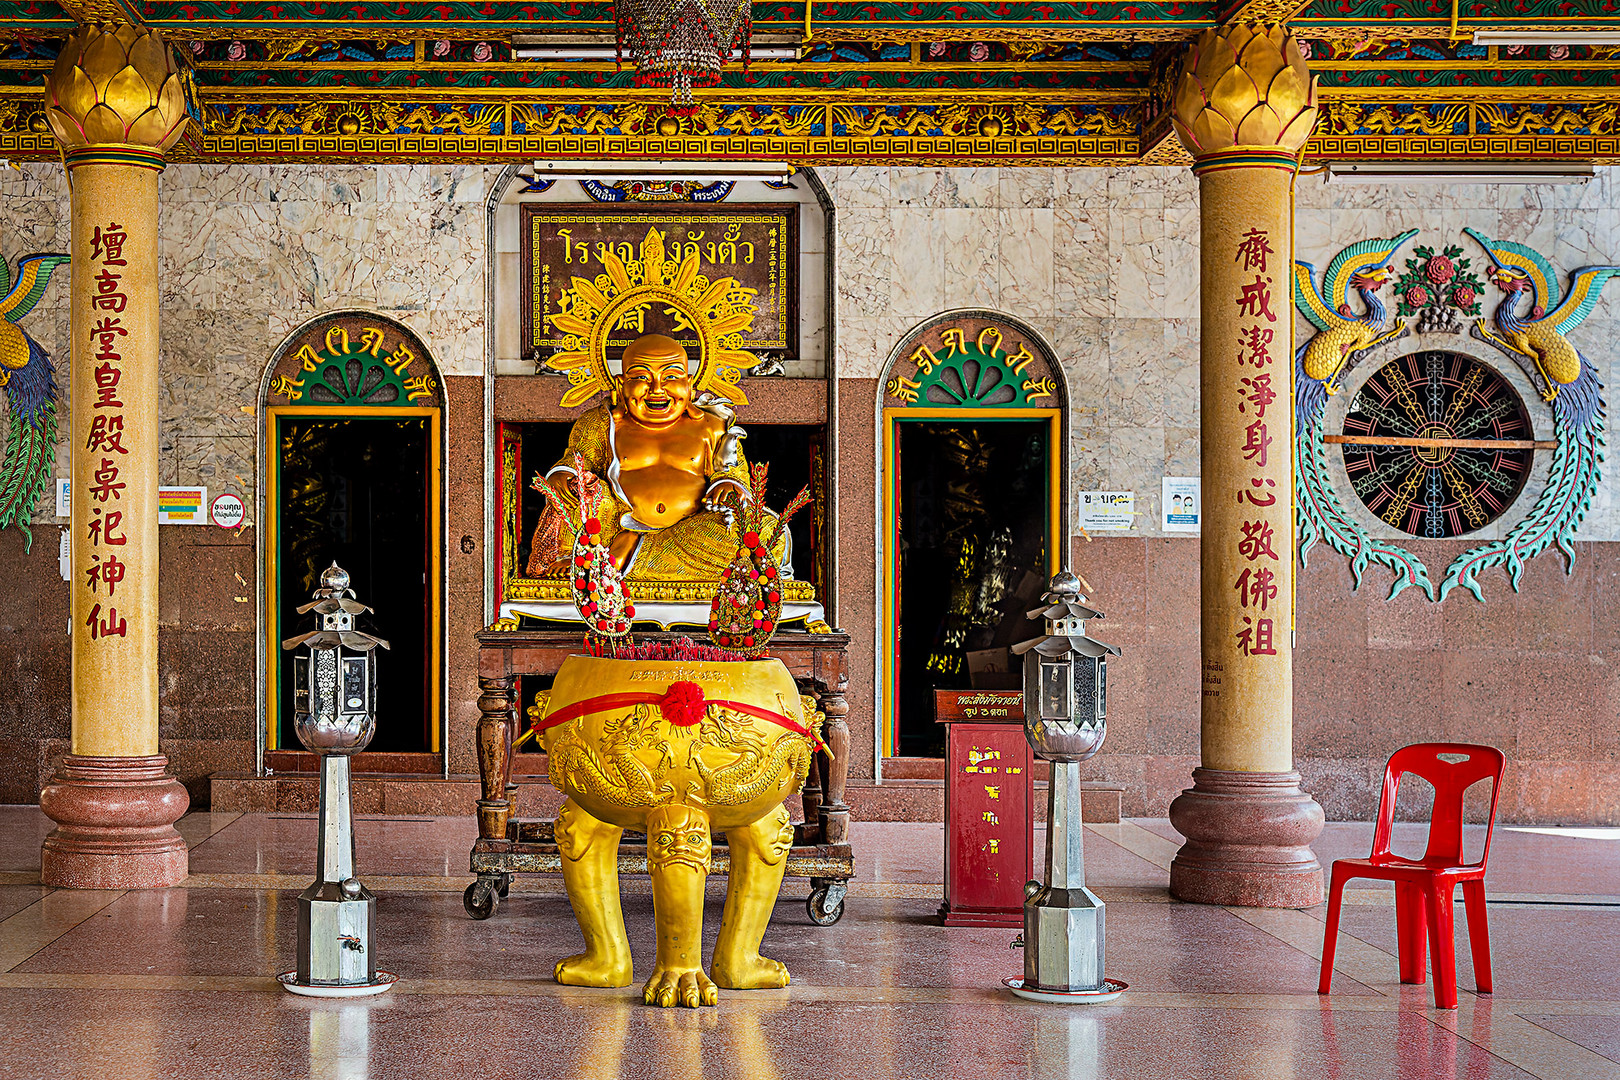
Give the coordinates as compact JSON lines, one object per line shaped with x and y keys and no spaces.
{"x":750,"y":973}
{"x":589,"y":969}
{"x":686,"y":987}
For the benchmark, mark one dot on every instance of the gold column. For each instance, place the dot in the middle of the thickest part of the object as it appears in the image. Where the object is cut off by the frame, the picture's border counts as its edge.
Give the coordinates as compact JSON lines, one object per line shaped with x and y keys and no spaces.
{"x":1244,"y":105}
{"x":116,"y":101}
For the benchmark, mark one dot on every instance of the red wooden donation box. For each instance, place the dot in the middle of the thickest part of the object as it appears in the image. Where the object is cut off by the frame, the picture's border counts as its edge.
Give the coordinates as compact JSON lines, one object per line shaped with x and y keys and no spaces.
{"x":989,"y":807}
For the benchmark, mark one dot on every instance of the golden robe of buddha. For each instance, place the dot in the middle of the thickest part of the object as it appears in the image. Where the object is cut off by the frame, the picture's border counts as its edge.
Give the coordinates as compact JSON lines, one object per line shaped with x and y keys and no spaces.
{"x":670,"y":472}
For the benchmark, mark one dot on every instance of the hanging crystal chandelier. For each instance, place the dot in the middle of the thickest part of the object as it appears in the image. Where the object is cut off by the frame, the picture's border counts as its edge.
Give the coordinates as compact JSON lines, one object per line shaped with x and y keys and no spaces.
{"x":682,"y":43}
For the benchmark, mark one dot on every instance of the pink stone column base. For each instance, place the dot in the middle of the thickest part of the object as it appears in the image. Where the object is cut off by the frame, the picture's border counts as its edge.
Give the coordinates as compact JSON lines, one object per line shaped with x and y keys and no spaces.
{"x":1248,"y":841}
{"x":114,"y":825}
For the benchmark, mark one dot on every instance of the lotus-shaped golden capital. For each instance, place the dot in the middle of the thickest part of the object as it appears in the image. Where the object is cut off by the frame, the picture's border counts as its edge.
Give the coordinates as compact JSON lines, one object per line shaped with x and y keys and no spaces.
{"x":116,"y":85}
{"x":1244,"y":86}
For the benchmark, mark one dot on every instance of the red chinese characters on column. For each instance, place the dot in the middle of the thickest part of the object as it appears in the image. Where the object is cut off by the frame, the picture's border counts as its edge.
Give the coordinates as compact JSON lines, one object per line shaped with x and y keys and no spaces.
{"x":1256,"y":300}
{"x":107,"y":431}
{"x":1254,"y":249}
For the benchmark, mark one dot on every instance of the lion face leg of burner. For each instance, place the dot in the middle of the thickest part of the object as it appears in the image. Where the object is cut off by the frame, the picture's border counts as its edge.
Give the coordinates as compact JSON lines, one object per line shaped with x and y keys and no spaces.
{"x":678,"y":848}
{"x":758,"y":863}
{"x":590,"y":869}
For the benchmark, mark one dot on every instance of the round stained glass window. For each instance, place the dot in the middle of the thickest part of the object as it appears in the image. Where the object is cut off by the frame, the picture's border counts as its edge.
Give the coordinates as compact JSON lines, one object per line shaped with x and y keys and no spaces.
{"x":1437,"y":444}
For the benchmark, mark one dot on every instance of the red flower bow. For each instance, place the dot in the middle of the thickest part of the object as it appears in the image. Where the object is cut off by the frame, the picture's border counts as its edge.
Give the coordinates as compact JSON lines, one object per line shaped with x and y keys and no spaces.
{"x":683,"y":704}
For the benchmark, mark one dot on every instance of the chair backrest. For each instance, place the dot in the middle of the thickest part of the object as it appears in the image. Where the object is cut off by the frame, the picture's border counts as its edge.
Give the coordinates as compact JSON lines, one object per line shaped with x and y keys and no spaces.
{"x":1451,"y":780}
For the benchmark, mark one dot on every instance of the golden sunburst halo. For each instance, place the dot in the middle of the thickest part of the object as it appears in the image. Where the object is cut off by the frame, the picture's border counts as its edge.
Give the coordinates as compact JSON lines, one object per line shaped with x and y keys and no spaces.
{"x":718,"y":312}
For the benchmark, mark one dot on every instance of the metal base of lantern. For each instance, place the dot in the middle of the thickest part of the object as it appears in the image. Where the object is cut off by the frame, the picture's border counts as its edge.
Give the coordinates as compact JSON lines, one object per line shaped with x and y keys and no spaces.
{"x":1064,"y":935}
{"x":1111,"y":989}
{"x":336,"y":913}
{"x":334,"y":934}
{"x":289,"y":982}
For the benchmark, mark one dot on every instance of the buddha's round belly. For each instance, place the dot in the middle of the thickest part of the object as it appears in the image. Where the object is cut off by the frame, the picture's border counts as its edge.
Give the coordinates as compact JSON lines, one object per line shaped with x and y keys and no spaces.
{"x":661,"y":495}
{"x":629,"y":749}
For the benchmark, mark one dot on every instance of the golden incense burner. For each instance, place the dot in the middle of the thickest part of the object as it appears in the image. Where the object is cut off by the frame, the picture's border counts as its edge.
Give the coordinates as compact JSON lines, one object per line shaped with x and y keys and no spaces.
{"x":679,"y":748}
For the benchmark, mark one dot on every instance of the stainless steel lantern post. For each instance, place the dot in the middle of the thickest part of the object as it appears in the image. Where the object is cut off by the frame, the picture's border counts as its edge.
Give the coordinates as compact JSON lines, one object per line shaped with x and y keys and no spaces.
{"x":335,"y":715}
{"x":1065,"y":680}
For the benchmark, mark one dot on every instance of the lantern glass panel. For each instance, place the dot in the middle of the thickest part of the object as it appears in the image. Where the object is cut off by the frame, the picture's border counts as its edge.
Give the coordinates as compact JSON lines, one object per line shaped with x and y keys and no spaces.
{"x":354,"y":683}
{"x":301,"y":683}
{"x":1085,"y":688}
{"x":324,"y":693}
{"x":1056,"y":702}
{"x":1102,"y":687}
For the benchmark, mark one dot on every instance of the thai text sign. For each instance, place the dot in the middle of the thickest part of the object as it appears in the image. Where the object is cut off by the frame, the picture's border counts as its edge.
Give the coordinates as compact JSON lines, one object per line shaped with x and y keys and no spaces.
{"x":989,"y":807}
{"x":757,"y":244}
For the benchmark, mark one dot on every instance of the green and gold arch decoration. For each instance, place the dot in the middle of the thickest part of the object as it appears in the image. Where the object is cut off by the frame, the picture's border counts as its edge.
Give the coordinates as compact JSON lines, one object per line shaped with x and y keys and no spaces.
{"x":972,"y":367}
{"x":354,"y":360}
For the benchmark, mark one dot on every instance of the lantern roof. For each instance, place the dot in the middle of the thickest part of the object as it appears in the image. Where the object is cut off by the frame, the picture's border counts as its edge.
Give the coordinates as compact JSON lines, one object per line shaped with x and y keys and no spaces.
{"x":1065,"y":614}
{"x":337,"y":613}
{"x":1059,"y":644}
{"x":357,"y":640}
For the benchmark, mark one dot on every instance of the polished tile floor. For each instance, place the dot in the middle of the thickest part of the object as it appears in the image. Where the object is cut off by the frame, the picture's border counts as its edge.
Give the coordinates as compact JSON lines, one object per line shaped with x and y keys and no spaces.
{"x":178,"y":983}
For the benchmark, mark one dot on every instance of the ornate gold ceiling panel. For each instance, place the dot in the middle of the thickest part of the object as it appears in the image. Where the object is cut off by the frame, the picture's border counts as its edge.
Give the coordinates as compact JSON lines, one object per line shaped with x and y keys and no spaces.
{"x":923,"y":82}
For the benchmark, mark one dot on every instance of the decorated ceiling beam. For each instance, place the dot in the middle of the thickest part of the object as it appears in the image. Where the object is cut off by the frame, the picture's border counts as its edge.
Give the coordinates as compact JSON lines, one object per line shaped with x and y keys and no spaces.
{"x":404,"y":97}
{"x":852,"y":20}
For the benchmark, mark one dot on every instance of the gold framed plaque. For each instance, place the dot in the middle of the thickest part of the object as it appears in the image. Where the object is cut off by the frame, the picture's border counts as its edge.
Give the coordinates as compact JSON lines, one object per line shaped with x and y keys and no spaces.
{"x":755,"y":243}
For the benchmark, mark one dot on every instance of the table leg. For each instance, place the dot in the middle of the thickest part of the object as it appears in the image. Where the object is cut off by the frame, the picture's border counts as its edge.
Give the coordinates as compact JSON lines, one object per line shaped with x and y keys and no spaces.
{"x":495,"y":722}
{"x":811,"y":795}
{"x":833,"y":812}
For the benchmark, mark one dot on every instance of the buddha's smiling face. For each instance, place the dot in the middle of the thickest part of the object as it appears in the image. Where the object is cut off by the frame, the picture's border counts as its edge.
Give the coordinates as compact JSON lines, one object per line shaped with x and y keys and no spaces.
{"x":656,"y":388}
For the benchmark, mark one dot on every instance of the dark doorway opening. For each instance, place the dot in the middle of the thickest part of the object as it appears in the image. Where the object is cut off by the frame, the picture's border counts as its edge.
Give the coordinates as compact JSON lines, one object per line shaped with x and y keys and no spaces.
{"x":972,"y":514}
{"x":356,"y":489}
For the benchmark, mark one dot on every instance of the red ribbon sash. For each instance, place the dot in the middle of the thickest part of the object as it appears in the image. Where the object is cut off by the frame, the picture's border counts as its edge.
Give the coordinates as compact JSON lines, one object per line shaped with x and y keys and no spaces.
{"x":688,"y":704}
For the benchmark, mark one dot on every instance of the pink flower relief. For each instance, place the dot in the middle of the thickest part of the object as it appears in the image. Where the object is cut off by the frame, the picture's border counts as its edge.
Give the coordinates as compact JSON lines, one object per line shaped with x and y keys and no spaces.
{"x":1558,"y":52}
{"x":482,"y":52}
{"x":236,"y":52}
{"x":1439,"y":270}
{"x":1463,"y":296}
{"x":979,"y":52}
{"x":1304,"y":49}
{"x":1417,"y":296}
{"x":441,"y":49}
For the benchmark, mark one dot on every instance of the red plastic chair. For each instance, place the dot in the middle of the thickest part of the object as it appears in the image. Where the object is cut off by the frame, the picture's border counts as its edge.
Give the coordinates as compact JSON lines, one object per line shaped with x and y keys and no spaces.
{"x":1423,"y":887}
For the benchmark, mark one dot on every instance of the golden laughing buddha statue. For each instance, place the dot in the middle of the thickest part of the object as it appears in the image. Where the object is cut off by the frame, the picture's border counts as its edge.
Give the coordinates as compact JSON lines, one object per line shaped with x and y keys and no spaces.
{"x":659,"y":453}
{"x":671,"y":471}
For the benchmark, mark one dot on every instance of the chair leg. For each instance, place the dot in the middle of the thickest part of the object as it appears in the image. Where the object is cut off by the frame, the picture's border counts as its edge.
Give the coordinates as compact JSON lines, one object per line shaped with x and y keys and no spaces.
{"x":1442,"y":946}
{"x":1330,"y":935}
{"x":1479,"y":934}
{"x":1410,"y":919}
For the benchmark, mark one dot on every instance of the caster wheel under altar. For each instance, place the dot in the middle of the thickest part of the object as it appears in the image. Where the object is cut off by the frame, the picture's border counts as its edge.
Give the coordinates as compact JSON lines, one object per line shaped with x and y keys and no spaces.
{"x":826,"y":905}
{"x":480,"y":899}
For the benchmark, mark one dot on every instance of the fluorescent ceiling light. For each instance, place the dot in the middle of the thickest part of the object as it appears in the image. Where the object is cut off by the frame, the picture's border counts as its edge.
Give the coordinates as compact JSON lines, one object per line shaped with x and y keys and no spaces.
{"x":706,"y":171}
{"x":1547,"y":37}
{"x":1417,"y":172}
{"x":609,"y":52}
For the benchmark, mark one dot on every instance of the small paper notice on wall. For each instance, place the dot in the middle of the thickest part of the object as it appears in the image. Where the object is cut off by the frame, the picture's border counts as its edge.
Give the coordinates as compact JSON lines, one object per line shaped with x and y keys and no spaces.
{"x":1101,"y":510}
{"x":64,"y":504}
{"x":182,"y":506}
{"x":1179,"y":504}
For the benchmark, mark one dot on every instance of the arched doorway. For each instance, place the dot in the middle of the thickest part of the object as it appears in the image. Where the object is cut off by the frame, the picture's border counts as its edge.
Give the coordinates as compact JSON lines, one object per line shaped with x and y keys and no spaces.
{"x":352,"y":443}
{"x":974,"y":423}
